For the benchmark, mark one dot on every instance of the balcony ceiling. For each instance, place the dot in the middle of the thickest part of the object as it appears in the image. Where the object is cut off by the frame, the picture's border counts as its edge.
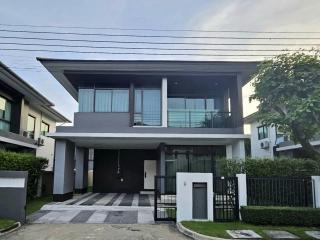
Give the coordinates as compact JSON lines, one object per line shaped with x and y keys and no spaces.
{"x":61,"y":69}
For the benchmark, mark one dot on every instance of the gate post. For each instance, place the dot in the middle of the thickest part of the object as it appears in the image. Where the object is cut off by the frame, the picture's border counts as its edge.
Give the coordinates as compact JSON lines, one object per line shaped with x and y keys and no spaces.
{"x":316,"y":191}
{"x":242,"y":191}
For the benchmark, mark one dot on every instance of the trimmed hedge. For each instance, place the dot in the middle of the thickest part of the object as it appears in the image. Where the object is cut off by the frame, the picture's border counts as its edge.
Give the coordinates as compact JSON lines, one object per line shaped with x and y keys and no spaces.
{"x":24,"y":162}
{"x":307,"y":217}
{"x":282,"y":166}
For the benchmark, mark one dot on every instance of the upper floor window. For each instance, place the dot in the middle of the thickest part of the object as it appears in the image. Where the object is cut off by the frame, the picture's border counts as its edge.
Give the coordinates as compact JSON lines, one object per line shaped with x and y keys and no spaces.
{"x":262,"y":132}
{"x":200,"y":104}
{"x":5,"y":114}
{"x":147,"y":107}
{"x":31,"y":125}
{"x":44,"y":128}
{"x":103,"y":100}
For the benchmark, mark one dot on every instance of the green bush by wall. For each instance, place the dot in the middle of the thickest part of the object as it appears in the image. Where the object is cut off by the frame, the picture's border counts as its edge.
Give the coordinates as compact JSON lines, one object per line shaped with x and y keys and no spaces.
{"x":267,"y":167}
{"x":24,"y":162}
{"x":307,"y":217}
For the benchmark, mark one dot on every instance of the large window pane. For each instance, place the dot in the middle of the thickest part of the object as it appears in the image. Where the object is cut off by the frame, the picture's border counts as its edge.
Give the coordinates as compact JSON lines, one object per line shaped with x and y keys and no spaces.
{"x":86,"y":97}
{"x":103,"y":101}
{"x":195,"y":104}
{"x":120,"y":101}
{"x":4,"y":126}
{"x":151,"y":107}
{"x":176,"y":103}
{"x":147,"y":107}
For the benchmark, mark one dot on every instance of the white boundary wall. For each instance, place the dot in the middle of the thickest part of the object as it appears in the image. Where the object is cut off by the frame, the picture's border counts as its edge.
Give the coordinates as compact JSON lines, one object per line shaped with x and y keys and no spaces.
{"x":184,"y":194}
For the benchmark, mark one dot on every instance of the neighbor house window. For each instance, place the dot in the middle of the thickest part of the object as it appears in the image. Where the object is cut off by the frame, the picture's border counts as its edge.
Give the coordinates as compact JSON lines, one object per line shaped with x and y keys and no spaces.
{"x":147,"y":107}
{"x":5,"y":114}
{"x":31,"y":126}
{"x":262,"y":132}
{"x":44,"y":128}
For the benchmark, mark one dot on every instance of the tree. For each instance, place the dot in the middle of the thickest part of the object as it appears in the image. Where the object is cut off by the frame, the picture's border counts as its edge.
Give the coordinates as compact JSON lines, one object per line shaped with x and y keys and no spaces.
{"x":288,"y":90}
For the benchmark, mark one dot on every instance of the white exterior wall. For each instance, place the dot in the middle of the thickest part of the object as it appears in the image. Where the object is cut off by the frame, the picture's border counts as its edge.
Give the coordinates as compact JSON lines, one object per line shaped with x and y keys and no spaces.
{"x":47,"y":150}
{"x":184,"y":194}
{"x":256,"y":150}
{"x":236,"y":150}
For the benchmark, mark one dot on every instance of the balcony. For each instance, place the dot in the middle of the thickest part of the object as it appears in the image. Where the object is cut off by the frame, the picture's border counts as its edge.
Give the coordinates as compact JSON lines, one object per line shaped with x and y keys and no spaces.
{"x":199,"y":119}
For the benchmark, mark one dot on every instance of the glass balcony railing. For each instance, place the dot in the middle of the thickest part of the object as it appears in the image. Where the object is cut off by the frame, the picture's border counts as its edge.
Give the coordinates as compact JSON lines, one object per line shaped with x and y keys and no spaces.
{"x":199,"y":119}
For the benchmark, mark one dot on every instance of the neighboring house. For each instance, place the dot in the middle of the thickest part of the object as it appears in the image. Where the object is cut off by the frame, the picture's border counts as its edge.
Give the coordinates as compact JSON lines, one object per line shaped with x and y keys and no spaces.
{"x":26,"y":117}
{"x":269,"y":142}
{"x":146,"y":118}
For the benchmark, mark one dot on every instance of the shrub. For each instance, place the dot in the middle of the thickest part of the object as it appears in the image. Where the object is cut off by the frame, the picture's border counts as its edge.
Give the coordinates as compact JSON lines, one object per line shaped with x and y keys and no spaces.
{"x":24,"y":162}
{"x":282,"y":166}
{"x":307,"y":217}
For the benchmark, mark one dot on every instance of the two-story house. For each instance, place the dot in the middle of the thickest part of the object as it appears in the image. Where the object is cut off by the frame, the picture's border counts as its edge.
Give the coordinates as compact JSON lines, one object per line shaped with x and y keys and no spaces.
{"x":146,"y":118}
{"x":269,"y":142}
{"x":26,"y":117}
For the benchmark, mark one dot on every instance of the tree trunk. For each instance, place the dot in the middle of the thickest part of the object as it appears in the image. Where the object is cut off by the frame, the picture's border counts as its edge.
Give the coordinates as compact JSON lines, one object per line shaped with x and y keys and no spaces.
{"x":307,"y":148}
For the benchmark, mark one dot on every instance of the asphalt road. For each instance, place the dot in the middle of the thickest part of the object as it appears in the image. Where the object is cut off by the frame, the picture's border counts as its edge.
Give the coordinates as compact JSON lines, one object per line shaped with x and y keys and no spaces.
{"x":96,"y":231}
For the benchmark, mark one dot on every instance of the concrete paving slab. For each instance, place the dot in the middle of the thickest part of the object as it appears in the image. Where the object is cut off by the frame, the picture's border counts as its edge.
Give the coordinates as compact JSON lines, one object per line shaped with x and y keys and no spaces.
{"x":66,"y":216}
{"x":81,"y":217}
{"x":135,"y":200}
{"x":86,"y":199}
{"x":122,"y":217}
{"x":98,"y":217}
{"x":145,"y":217}
{"x":314,"y":234}
{"x":119,"y":199}
{"x":105,"y":200}
{"x":243,"y":234}
{"x":277,"y":234}
{"x":35,"y":216}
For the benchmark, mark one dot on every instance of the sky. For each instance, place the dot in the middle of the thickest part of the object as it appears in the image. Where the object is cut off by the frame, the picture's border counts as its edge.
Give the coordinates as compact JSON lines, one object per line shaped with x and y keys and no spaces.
{"x":234,"y":15}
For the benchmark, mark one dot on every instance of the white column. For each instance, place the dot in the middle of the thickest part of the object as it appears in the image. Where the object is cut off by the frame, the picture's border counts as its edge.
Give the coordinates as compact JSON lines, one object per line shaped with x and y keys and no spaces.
{"x":63,"y":170}
{"x":81,"y":176}
{"x":316,"y":191}
{"x":238,"y":150}
{"x":229,"y":151}
{"x":242,"y":190}
{"x":164,"y":102}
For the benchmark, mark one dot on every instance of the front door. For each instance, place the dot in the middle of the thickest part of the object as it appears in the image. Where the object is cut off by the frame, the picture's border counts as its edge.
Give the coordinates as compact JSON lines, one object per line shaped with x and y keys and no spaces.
{"x":150,"y":168}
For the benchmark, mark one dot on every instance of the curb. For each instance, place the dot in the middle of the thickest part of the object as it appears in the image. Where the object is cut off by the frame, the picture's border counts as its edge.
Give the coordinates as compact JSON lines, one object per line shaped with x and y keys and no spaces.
{"x":195,"y":235}
{"x":10,"y":229}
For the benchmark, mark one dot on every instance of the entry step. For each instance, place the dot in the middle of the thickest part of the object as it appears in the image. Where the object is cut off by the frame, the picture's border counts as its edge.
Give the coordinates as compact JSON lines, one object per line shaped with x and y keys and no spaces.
{"x":147,"y":192}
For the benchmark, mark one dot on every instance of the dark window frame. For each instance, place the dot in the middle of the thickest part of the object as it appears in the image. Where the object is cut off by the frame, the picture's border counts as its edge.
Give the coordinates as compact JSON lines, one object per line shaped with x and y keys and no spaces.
{"x":31,"y":133}
{"x":43,"y":133}
{"x":2,"y":119}
{"x":264,"y":134}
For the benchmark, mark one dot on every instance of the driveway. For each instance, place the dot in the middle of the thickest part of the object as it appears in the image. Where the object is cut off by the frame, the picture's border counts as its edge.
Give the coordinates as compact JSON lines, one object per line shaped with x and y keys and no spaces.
{"x":96,"y":231}
{"x":111,"y":208}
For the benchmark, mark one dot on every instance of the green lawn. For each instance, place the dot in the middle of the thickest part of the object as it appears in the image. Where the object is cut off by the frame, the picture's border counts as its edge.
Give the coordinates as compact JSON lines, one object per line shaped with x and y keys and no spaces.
{"x":35,"y":204}
{"x":219,"y":229}
{"x":4,"y":223}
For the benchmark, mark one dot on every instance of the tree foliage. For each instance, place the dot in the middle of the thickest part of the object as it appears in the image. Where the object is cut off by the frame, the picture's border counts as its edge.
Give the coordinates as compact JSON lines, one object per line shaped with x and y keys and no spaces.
{"x":24,"y":162}
{"x":288,"y":90}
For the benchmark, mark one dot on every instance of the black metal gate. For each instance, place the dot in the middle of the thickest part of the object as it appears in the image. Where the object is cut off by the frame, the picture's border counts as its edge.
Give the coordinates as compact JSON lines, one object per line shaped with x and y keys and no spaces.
{"x":225,"y":199}
{"x":165,"y":198}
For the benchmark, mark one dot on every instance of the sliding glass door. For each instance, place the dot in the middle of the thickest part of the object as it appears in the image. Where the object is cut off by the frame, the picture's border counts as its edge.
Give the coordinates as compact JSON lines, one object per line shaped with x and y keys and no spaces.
{"x":147,"y":107}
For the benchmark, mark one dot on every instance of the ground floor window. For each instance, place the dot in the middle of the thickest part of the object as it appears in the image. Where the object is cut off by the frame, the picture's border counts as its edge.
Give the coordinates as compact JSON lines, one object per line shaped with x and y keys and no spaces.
{"x":192,"y":159}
